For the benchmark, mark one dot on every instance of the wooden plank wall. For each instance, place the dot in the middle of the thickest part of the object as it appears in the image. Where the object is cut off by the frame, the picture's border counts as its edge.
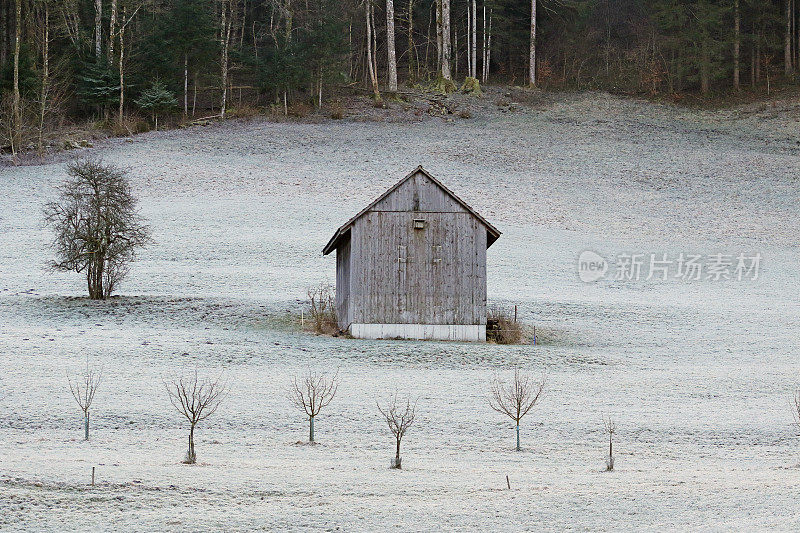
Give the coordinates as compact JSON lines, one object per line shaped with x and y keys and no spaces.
{"x":436,"y":275}
{"x":343,"y":285}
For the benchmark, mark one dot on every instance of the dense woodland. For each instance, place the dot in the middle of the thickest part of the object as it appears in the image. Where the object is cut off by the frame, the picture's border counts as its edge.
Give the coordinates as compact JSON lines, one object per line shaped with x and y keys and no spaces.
{"x":123,"y":61}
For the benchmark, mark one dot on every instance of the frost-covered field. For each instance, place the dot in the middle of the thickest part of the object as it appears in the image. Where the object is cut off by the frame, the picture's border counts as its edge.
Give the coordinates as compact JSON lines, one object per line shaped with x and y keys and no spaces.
{"x":698,"y":375}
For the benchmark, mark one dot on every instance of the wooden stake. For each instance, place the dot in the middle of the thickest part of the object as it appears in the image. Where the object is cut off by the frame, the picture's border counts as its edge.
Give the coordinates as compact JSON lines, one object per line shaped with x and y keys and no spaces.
{"x":534,"y":335}
{"x":508,"y":483}
{"x":92,"y":476}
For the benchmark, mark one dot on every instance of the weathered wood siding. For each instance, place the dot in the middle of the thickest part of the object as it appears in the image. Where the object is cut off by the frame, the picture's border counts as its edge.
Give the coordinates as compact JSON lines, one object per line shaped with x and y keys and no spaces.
{"x":418,"y":193}
{"x":402,"y":275}
{"x":343,"y":285}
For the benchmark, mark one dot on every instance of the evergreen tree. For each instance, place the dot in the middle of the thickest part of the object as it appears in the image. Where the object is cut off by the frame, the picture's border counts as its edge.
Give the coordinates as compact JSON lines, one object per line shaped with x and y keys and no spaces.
{"x":156,"y":99}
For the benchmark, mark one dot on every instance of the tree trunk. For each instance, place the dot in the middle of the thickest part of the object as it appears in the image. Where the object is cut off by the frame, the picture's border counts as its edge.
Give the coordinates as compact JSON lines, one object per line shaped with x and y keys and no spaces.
{"x":45,"y":76}
{"x":736,"y":44}
{"x":411,"y":48}
{"x":390,"y":46}
{"x":469,"y":46}
{"x":192,"y":458}
{"x":17,"y":119}
{"x":474,"y":43}
{"x":439,"y":35}
{"x":4,"y":18}
{"x":519,"y":448}
{"x":122,"y":69}
{"x":532,"y":58}
{"x":397,"y":451}
{"x":112,"y":30}
{"x":86,"y":426}
{"x":185,"y":84}
{"x":311,"y":429}
{"x":372,"y":74}
{"x":194,"y":93}
{"x":787,"y":52}
{"x":225,"y":35}
{"x":98,"y":28}
{"x":446,"y":50}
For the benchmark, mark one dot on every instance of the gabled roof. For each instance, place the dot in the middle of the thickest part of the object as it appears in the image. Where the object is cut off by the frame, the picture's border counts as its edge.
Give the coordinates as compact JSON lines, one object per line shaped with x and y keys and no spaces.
{"x":492,"y":233}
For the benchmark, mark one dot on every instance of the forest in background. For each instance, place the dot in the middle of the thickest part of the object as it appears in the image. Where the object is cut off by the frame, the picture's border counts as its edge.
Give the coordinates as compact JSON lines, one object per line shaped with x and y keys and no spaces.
{"x":124,"y":62}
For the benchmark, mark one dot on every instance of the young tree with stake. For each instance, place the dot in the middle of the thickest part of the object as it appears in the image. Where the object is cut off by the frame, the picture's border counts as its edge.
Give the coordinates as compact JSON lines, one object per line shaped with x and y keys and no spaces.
{"x":399,"y":419}
{"x":516,"y":398}
{"x":311,"y":393}
{"x":610,"y":428}
{"x":83,"y":391}
{"x":196,"y":399}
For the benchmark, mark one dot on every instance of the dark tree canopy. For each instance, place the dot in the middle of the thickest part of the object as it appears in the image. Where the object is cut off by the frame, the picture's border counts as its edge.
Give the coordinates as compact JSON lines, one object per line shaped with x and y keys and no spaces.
{"x":97,"y":226}
{"x":84,"y":58}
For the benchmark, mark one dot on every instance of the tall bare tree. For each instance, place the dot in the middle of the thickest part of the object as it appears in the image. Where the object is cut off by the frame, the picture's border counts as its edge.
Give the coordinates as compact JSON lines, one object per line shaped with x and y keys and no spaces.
{"x":373,"y":75}
{"x":98,"y":28}
{"x":227,"y":15}
{"x":787,"y":54}
{"x":399,"y":418}
{"x":390,"y":46}
{"x":737,"y":41}
{"x":446,"y":47}
{"x":532,"y":54}
{"x":474,"y":41}
{"x":311,"y":392}
{"x":83,"y":390}
{"x":517,"y":398}
{"x":17,"y":113}
{"x":97,"y":227}
{"x":196,"y":399}
{"x":412,"y":51}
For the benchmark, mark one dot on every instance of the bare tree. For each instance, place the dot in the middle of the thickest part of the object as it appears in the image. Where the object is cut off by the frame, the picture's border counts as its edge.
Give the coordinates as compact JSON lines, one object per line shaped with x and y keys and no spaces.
{"x":311,"y":393}
{"x":399,"y":418}
{"x":390,"y":46}
{"x":98,"y":230}
{"x":515,"y":399}
{"x":796,"y":408}
{"x":373,"y":75}
{"x":323,"y":309}
{"x":446,"y":49}
{"x":83,"y":390}
{"x":532,"y":52}
{"x":196,"y":399}
{"x":610,"y":428}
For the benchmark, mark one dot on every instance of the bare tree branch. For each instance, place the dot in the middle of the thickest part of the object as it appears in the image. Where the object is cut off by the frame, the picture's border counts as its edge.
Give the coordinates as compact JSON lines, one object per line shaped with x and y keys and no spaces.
{"x":311,"y":392}
{"x":517,"y":398}
{"x":399,"y":419}
{"x":196,"y":399}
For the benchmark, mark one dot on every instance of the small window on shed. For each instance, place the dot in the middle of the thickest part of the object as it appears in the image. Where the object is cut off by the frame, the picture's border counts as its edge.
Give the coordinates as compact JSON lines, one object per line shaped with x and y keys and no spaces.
{"x":419,"y":223}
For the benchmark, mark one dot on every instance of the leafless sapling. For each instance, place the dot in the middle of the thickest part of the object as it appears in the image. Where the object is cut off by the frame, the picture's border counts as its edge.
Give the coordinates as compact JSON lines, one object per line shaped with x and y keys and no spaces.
{"x":611,"y":429}
{"x":399,"y":418}
{"x":97,"y":226}
{"x":323,"y":309}
{"x":196,"y":399}
{"x":311,"y":392}
{"x":515,"y":399}
{"x":83,"y":390}
{"x":796,"y":408}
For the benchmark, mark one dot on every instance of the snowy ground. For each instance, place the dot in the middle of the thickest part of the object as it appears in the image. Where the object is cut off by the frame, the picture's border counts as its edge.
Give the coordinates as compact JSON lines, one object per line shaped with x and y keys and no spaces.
{"x":697,"y":374}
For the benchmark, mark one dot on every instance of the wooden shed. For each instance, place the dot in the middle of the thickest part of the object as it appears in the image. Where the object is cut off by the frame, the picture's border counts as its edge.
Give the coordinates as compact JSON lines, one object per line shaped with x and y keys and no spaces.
{"x":412,"y":265}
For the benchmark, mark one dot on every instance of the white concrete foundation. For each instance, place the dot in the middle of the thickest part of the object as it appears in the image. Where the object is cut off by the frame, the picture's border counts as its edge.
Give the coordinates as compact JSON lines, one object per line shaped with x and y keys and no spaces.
{"x":434,"y":332}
